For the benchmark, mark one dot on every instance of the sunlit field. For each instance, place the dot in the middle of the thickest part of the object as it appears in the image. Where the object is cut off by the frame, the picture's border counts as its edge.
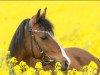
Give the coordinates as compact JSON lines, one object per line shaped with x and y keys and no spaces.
{"x":76,"y":24}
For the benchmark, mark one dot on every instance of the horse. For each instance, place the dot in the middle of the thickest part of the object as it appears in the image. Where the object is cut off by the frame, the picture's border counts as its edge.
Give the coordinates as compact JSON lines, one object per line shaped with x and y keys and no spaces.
{"x":34,"y":41}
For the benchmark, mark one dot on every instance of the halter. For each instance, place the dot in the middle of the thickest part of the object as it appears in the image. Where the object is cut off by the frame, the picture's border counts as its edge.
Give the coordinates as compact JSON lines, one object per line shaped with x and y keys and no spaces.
{"x":32,"y":37}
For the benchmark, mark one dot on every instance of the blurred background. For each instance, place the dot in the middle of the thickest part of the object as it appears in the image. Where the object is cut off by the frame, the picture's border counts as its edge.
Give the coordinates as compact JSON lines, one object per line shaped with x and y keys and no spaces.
{"x":76,"y":23}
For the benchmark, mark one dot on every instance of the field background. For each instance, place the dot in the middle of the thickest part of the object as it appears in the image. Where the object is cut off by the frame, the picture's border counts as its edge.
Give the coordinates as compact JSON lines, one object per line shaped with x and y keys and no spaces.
{"x":76,"y":23}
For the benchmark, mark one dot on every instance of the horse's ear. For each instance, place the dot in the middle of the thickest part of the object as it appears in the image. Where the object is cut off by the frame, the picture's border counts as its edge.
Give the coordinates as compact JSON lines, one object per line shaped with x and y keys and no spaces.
{"x":35,"y":18}
{"x":44,"y":13}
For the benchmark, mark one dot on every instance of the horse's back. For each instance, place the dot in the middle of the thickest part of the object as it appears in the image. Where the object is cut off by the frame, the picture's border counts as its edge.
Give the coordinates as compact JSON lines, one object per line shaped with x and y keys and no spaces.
{"x":80,"y":57}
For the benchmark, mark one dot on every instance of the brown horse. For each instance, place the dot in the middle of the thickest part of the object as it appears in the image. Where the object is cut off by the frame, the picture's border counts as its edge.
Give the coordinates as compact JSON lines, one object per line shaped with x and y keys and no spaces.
{"x":34,"y":41}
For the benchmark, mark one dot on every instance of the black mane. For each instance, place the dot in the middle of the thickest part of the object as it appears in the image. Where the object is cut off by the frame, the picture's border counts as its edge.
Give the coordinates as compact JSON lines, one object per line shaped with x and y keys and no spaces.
{"x":46,"y":24}
{"x":18,"y":38}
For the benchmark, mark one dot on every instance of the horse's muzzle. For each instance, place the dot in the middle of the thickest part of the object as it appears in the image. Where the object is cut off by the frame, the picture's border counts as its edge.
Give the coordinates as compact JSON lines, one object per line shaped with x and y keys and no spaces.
{"x":65,"y":66}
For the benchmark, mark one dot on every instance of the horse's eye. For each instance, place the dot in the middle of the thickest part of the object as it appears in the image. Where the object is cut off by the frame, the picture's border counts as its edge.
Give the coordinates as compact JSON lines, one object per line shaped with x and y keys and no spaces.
{"x":43,"y":37}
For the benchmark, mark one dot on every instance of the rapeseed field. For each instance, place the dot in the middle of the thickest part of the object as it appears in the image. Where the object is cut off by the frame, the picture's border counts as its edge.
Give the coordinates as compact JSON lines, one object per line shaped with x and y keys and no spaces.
{"x":76,"y":24}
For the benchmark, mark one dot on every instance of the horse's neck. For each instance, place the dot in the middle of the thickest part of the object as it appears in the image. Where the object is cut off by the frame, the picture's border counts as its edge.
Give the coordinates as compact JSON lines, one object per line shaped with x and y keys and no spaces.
{"x":18,"y":52}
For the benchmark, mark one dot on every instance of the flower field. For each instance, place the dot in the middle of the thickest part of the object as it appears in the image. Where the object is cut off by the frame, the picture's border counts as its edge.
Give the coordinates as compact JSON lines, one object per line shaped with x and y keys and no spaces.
{"x":76,"y":24}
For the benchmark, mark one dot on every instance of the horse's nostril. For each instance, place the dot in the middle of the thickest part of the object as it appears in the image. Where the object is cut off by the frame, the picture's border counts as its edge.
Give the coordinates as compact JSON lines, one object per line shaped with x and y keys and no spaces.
{"x":66,"y":64}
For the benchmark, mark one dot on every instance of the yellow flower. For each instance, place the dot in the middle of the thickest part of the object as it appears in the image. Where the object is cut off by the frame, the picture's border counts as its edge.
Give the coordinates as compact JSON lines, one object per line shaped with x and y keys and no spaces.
{"x":42,"y":72}
{"x":90,"y":69}
{"x":48,"y":72}
{"x":38,"y":65}
{"x":93,"y":65}
{"x":57,"y":65}
{"x":13,"y":60}
{"x":59,"y":72}
{"x":17,"y":69}
{"x":74,"y":72}
{"x":99,"y":73}
{"x":23,"y":66}
{"x":69,"y":72}
{"x":85,"y":68}
{"x":30,"y":71}
{"x":8,"y":52}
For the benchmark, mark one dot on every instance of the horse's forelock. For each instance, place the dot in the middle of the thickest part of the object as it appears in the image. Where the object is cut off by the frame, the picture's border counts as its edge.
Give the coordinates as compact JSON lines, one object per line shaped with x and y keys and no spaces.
{"x":46,"y":24}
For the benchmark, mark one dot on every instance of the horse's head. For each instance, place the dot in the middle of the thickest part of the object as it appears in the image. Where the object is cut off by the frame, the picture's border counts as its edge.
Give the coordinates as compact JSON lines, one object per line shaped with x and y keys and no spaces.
{"x":40,"y":42}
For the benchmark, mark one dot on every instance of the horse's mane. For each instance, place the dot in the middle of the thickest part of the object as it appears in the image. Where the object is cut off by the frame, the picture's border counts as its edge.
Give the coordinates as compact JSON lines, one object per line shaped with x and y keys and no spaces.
{"x":18,"y":38}
{"x":46,"y":24}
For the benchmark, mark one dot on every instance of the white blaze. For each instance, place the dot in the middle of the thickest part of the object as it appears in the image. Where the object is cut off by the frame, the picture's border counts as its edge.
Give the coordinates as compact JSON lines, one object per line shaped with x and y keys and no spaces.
{"x":64,"y":54}
{"x":62,"y":51}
